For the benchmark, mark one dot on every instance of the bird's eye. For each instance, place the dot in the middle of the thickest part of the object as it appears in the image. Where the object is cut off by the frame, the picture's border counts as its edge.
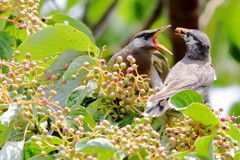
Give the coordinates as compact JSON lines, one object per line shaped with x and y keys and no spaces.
{"x":146,"y":36}
{"x":188,"y":34}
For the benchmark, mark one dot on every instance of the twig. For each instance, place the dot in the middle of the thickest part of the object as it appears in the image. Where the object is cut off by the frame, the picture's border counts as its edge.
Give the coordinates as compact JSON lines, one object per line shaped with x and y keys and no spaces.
{"x":99,"y":27}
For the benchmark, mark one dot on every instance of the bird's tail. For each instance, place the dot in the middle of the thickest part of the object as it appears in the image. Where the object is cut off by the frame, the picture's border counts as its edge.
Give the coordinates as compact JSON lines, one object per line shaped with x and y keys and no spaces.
{"x":156,"y":109}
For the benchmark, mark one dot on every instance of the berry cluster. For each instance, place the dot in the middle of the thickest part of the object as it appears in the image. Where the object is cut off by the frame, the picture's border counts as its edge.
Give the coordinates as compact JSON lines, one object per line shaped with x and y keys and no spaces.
{"x":24,"y":13}
{"x":129,"y":140}
{"x":23,"y":86}
{"x":184,"y":133}
{"x":123,"y":93}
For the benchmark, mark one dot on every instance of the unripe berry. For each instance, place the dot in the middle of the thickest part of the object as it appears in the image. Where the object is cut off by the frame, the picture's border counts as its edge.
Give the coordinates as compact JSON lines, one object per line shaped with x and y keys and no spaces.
{"x":223,"y":119}
{"x":142,"y":91}
{"x":53,"y":93}
{"x":26,"y":67}
{"x":134,"y":66}
{"x":233,"y":118}
{"x":123,"y":65}
{"x":39,"y":143}
{"x":119,"y":59}
{"x":105,"y":123}
{"x":45,"y":131}
{"x":129,"y":58}
{"x":35,"y":12}
{"x":103,"y":61}
{"x":65,"y":129}
{"x":86,"y":64}
{"x":137,"y":120}
{"x":34,"y":138}
{"x":16,"y":53}
{"x":81,"y":117}
{"x":130,"y":70}
{"x":22,"y":26}
{"x":135,"y":148}
{"x":116,"y":66}
{"x":128,"y":76}
{"x":172,"y":140}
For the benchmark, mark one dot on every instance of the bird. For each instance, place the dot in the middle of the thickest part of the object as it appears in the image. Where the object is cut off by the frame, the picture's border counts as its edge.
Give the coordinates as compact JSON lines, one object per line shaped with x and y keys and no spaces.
{"x":144,"y":47}
{"x":194,"y":72}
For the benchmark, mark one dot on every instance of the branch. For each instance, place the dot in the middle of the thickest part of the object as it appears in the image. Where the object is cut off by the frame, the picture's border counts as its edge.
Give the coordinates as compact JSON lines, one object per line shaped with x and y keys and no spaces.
{"x":182,"y":13}
{"x":101,"y":24}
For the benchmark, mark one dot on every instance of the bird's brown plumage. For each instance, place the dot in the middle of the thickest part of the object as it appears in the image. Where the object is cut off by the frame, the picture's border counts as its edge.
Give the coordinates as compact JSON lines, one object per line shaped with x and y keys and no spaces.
{"x":144,"y":49}
{"x":195,"y":71}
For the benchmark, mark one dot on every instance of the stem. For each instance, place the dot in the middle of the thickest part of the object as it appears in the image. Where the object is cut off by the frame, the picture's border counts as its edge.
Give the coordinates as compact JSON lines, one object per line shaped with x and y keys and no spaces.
{"x":9,"y":20}
{"x":139,"y":155}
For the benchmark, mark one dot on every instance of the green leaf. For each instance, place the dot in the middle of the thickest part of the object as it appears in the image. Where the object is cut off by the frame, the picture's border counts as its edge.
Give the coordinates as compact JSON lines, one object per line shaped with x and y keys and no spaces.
{"x":77,"y":64}
{"x":88,"y":118}
{"x":4,"y":132}
{"x":101,"y":146}
{"x":237,"y":156}
{"x":71,"y":3}
{"x":63,"y":18}
{"x":31,"y":149}
{"x":12,"y":112}
{"x":2,"y":127}
{"x":143,"y":154}
{"x":53,"y":40}
{"x":64,"y":90}
{"x":128,"y":120}
{"x":234,"y":132}
{"x":6,"y":44}
{"x":78,"y":95}
{"x":76,"y":111}
{"x":3,"y":22}
{"x":194,"y":156}
{"x":94,"y":106}
{"x":180,"y":154}
{"x":204,"y":146}
{"x":182,"y":99}
{"x":12,"y":150}
{"x":202,"y":114}
{"x":235,"y":111}
{"x":18,"y":34}
{"x":66,"y":58}
{"x":39,"y":157}
{"x":53,"y":140}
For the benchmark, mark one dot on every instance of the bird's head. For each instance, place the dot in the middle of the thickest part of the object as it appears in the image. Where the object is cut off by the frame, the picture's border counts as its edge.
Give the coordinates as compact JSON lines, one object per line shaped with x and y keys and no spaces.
{"x":148,"y":40}
{"x":196,"y":41}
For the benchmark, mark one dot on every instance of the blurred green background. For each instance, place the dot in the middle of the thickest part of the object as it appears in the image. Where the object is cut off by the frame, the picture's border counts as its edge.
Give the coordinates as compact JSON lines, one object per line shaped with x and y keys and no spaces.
{"x":114,"y":22}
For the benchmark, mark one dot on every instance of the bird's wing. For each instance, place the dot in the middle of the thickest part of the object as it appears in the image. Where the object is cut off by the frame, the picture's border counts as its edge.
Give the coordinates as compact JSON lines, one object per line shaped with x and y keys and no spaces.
{"x":185,"y":75}
{"x":161,"y":65}
{"x":156,"y":80}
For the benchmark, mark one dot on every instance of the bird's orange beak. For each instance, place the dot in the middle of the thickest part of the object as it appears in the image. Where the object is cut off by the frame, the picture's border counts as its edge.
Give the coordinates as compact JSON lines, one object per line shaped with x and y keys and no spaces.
{"x":180,"y":31}
{"x":155,"y":41}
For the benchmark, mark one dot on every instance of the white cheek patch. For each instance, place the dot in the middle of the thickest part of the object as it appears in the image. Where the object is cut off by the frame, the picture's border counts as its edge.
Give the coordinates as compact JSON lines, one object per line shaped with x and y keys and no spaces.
{"x":191,"y":41}
{"x":137,"y":44}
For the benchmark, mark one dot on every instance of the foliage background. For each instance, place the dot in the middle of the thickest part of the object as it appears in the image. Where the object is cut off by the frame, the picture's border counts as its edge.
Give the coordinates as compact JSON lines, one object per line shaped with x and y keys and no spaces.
{"x":114,"y":22}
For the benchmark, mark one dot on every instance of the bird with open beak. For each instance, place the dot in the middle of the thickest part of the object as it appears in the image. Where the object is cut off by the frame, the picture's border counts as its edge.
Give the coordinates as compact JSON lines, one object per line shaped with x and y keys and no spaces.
{"x":195,"y":72}
{"x":150,"y":62}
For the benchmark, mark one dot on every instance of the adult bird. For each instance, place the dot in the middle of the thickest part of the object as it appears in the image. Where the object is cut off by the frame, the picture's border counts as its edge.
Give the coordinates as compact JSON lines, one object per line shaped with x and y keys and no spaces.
{"x":144,"y":47}
{"x":195,"y":72}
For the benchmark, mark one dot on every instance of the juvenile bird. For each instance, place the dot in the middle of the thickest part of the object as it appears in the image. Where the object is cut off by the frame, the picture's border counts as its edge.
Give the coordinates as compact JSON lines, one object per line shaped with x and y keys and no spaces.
{"x":144,"y":48}
{"x":195,"y":71}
